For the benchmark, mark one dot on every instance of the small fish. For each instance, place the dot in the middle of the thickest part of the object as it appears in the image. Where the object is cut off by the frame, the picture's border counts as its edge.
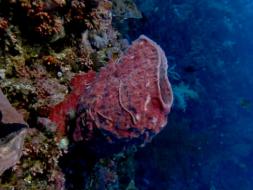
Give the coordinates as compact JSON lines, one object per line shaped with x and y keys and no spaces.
{"x":244,"y":103}
{"x":190,"y":69}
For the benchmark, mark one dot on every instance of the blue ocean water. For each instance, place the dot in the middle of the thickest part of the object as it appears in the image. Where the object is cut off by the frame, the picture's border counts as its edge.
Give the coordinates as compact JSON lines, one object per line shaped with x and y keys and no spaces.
{"x":208,"y":143}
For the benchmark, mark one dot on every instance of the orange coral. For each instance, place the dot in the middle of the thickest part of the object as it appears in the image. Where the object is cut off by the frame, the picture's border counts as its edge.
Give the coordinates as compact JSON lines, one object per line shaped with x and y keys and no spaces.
{"x":3,"y":25}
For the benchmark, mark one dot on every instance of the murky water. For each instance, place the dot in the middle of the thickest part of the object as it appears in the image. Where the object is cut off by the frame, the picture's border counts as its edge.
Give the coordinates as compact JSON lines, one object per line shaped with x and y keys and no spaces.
{"x":208,"y":143}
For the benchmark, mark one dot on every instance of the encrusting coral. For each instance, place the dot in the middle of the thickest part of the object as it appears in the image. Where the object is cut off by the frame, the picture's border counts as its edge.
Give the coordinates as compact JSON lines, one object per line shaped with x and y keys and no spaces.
{"x":47,"y":19}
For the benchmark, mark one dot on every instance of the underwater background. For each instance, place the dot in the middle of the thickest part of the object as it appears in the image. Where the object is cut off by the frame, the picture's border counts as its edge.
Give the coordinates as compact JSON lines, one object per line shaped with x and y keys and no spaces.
{"x":208,"y":142}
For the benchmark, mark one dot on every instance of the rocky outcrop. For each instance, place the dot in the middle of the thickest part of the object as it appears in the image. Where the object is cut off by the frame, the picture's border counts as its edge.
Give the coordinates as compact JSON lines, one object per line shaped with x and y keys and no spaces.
{"x":12,"y":134}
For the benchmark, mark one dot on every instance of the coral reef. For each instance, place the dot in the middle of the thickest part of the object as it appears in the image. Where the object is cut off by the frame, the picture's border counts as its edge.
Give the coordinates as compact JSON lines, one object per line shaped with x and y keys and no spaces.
{"x":42,"y":48}
{"x":50,"y":19}
{"x":38,"y":167}
{"x":50,"y":49}
{"x":51,"y":52}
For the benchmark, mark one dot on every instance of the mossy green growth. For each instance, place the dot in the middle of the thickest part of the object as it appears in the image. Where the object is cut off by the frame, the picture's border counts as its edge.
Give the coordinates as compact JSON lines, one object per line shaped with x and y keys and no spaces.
{"x":21,"y":93}
{"x":99,"y":59}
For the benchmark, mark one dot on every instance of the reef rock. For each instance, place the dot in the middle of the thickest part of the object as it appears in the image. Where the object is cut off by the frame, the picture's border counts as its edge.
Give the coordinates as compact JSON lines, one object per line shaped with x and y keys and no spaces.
{"x":126,"y":102}
{"x":125,"y":9}
{"x":12,"y":134}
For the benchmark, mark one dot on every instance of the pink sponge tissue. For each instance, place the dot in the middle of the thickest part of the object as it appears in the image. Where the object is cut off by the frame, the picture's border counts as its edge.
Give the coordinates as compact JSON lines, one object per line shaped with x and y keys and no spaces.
{"x":127,"y":101}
